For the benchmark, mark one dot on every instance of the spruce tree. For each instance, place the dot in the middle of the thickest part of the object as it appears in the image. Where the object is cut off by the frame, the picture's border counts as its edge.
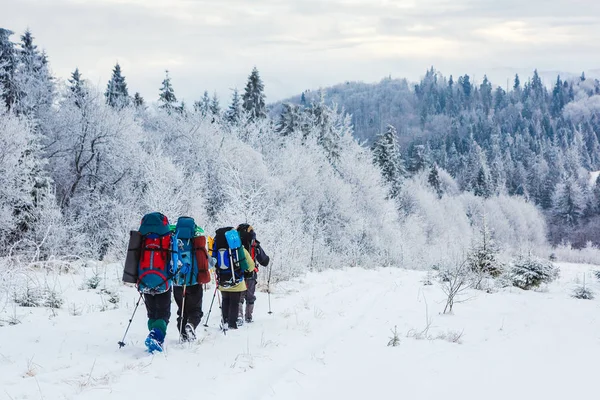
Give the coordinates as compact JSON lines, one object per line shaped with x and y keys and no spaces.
{"x":568,"y":203}
{"x":215,"y":107}
{"x":167,"y":95}
{"x":290,"y":120}
{"x":77,"y":88}
{"x":117,"y":95}
{"x":8,"y":65}
{"x":234,"y":112}
{"x":138,"y":100}
{"x":254,"y":97}
{"x":434,"y":181}
{"x":386,"y":155}
{"x":33,"y":83}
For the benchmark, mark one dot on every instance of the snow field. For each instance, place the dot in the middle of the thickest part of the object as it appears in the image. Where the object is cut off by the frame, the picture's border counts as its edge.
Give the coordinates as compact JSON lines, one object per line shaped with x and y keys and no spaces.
{"x":327,"y":338}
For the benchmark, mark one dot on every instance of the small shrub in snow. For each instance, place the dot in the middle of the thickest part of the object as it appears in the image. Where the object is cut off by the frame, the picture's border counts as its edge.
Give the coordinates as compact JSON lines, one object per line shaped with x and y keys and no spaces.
{"x":395,"y":339}
{"x":451,"y":336}
{"x":483,"y":260}
{"x":582,"y":292}
{"x":597,"y":274}
{"x":31,"y":297}
{"x":75,"y":310}
{"x":93,"y":282}
{"x":553,"y":257}
{"x":428,"y":279}
{"x":113,"y":296}
{"x":530,"y":272}
{"x":53,"y":299}
{"x":459,"y":279}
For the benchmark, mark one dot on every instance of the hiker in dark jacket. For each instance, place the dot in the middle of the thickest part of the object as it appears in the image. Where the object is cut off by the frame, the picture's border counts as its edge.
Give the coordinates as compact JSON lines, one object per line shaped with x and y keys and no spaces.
{"x":230,"y":276}
{"x":258,"y":255}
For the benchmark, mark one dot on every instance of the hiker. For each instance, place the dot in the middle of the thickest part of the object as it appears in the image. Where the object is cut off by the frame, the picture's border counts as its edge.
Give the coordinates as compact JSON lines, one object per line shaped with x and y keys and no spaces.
{"x":193,"y":272}
{"x":150,"y":266}
{"x":232,"y":261}
{"x":258,"y":255}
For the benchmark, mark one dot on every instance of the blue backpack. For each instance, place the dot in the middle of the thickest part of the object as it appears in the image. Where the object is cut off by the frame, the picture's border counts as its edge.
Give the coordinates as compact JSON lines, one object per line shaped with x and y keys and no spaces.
{"x":231,"y":260}
{"x":191,"y":253}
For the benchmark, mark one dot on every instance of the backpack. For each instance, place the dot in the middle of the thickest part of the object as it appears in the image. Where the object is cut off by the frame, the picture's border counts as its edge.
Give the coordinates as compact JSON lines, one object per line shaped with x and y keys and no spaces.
{"x":248,"y":237}
{"x":231,"y":259}
{"x":191,"y":253}
{"x":155,"y":268}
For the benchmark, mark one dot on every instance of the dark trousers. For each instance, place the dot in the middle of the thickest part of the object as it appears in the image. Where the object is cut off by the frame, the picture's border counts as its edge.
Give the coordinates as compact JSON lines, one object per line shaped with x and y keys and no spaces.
{"x":158,"y":306}
{"x":230,"y":308}
{"x":249,"y":295}
{"x":193,"y":305}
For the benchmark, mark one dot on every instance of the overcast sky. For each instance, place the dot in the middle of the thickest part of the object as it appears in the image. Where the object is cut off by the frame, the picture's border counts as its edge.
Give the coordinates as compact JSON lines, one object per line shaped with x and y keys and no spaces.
{"x":301,"y":44}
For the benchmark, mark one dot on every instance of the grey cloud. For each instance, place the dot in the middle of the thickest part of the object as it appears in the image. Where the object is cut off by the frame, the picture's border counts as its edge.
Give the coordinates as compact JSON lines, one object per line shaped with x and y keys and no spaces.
{"x":213,"y":44}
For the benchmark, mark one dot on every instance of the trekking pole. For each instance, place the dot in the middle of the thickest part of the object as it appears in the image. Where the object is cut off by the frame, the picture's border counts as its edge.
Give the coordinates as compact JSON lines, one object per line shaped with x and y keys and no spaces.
{"x":269,"y":287}
{"x":211,"y":306}
{"x":182,"y":311}
{"x":222,"y":318}
{"x":122,"y":342}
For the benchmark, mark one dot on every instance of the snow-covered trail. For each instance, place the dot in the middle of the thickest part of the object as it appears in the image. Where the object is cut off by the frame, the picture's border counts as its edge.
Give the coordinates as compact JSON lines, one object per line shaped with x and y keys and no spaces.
{"x":327,"y":338}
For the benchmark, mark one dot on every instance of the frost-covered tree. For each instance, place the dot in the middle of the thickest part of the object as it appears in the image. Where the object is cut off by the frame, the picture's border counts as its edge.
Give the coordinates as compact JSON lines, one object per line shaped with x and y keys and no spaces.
{"x":434,"y":181}
{"x":77,"y":87}
{"x":138,"y":100}
{"x":166,"y":96}
{"x":215,"y":107}
{"x":203,"y":105}
{"x":253,"y":100}
{"x":568,"y":203}
{"x":35,"y":85}
{"x":386,"y":155}
{"x":235,"y":110}
{"x":8,"y":65}
{"x":117,"y":95}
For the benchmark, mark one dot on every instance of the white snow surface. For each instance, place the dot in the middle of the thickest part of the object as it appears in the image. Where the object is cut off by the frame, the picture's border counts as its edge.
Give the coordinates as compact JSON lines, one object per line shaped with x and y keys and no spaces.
{"x":594,"y":177}
{"x":326,"y":339}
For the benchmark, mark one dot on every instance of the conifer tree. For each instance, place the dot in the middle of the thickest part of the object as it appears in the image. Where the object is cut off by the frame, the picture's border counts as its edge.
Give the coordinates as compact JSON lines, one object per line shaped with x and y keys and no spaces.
{"x":254,"y":97}
{"x":8,"y":65}
{"x":215,"y":107}
{"x":386,"y":155}
{"x":117,"y":95}
{"x":434,"y":181}
{"x":138,"y":100}
{"x":77,"y":88}
{"x":167,"y":96}
{"x":234,"y":112}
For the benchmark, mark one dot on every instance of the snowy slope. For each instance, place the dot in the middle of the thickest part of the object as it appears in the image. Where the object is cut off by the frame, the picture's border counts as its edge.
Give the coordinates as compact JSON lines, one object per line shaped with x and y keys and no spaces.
{"x":326,"y":339}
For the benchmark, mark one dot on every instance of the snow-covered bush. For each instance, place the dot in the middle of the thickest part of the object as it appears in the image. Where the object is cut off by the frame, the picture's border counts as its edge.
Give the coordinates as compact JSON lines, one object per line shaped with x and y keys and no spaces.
{"x":528,"y":272}
{"x":583,"y":293}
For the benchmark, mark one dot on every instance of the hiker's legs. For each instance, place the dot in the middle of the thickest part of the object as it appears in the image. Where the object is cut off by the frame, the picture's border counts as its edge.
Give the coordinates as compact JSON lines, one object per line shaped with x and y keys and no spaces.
{"x":181,"y":314}
{"x":234,"y":306}
{"x":225,"y":306}
{"x":250,"y":298}
{"x":158,"y":307}
{"x":193,"y":305}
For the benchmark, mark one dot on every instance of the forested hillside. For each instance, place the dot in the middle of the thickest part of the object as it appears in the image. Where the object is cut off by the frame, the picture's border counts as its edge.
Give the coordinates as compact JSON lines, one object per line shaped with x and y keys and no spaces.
{"x":535,"y":142}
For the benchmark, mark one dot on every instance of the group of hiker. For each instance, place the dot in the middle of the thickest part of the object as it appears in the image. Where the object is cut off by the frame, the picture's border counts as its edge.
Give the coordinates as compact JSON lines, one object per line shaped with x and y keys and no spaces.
{"x":164,"y":259}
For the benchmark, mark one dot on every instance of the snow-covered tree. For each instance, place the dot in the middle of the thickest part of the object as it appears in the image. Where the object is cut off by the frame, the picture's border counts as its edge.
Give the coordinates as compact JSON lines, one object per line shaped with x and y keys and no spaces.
{"x":166,"y":96}
{"x":8,"y":65}
{"x":235,"y":110}
{"x":254,"y":97}
{"x":35,"y":85}
{"x":386,"y":155}
{"x":77,"y":87}
{"x":117,"y":95}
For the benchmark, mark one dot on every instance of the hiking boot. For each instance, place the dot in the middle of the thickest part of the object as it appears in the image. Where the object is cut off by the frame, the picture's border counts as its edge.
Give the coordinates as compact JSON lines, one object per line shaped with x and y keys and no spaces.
{"x":240,"y":321}
{"x":232,"y":325}
{"x":154,"y":341}
{"x":190,"y":332}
